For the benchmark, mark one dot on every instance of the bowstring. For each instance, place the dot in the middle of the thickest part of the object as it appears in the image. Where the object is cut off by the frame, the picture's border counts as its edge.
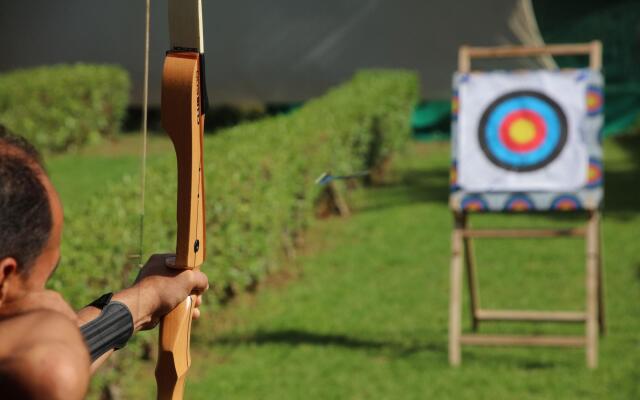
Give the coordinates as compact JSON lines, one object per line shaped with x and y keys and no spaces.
{"x":145,"y":106}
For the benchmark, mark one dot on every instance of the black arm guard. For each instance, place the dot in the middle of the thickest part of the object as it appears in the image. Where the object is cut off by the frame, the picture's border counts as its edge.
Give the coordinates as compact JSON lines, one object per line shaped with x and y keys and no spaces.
{"x":111,"y":330}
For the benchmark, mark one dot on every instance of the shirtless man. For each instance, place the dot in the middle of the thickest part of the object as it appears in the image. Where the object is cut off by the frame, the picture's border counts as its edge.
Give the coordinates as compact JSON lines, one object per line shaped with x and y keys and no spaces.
{"x":43,"y":353}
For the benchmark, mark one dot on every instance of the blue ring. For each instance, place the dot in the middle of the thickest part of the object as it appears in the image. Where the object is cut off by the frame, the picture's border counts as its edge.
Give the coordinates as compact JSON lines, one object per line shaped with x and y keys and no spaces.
{"x":548,"y":110}
{"x":524,"y":159}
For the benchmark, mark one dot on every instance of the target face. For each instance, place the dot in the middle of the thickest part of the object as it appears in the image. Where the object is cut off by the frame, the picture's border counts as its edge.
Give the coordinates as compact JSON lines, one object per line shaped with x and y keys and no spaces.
{"x":453,"y":177}
{"x":595,"y":100}
{"x":455,"y":106}
{"x":519,"y":203}
{"x":566,"y":203}
{"x":474,"y":203}
{"x":522,"y":131}
{"x":595,"y":174}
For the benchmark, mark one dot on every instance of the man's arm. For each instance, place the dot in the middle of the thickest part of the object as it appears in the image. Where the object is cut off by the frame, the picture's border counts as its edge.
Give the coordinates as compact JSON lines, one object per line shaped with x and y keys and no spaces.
{"x":157,"y":290}
{"x":42,"y":356}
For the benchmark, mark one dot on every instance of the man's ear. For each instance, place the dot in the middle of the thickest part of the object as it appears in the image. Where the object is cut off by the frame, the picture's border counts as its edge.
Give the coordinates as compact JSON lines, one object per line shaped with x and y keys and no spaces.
{"x":8,"y":268}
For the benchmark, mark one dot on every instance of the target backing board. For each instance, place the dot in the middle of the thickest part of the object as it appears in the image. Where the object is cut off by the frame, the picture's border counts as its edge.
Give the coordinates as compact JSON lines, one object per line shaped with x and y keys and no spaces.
{"x":527,"y":138}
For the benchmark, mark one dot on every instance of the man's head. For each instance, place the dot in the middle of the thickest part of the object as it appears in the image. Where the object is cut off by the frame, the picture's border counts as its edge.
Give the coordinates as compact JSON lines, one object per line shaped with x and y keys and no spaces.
{"x":30,"y":219}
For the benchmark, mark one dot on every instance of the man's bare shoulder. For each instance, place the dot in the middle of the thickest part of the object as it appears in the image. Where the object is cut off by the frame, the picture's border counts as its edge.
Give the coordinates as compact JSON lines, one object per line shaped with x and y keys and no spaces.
{"x":42,"y":355}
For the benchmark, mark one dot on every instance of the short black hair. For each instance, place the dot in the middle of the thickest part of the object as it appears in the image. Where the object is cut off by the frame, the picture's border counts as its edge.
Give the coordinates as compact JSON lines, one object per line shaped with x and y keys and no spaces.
{"x":25,"y":210}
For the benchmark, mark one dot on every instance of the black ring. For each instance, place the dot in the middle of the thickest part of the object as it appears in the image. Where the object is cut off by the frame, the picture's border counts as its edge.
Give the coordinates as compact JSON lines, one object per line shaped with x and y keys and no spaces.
{"x":554,"y":154}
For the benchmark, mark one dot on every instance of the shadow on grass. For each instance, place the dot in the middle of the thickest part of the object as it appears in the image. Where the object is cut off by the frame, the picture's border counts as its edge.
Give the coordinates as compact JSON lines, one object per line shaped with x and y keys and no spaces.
{"x":507,"y":358}
{"x":294,"y":337}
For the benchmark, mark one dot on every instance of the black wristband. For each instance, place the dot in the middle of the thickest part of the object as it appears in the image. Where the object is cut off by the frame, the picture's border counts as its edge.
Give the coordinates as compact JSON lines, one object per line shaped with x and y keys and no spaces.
{"x":101,"y":301}
{"x":111,"y":330}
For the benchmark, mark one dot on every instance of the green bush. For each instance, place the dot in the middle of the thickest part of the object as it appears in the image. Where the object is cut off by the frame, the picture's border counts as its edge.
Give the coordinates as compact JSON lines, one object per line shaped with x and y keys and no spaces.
{"x":65,"y":105}
{"x":259,"y":185}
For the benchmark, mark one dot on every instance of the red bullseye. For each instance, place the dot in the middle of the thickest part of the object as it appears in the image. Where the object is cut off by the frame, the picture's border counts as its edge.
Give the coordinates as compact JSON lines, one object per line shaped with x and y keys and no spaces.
{"x":522,"y":131}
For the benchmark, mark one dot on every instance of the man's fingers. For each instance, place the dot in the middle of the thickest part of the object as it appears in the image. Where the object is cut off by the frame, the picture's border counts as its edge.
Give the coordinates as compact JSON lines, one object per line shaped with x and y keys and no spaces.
{"x":196,"y":313}
{"x":158,"y":264}
{"x":200,"y":282}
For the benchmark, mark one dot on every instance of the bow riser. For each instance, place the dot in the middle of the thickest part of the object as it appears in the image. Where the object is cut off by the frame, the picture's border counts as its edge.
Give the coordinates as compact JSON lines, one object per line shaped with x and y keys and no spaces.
{"x":183,"y":120}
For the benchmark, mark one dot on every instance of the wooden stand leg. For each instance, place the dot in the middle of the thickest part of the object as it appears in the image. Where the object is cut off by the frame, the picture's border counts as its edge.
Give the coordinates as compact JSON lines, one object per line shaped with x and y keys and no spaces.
{"x":469,"y":258}
{"x":601,"y":315}
{"x":455,"y":301}
{"x":338,"y":201}
{"x":592,"y":290}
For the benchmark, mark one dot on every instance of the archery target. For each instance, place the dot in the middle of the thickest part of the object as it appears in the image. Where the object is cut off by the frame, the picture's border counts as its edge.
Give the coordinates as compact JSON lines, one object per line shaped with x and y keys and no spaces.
{"x":566,"y":203}
{"x":519,"y":203}
{"x":474,"y":203}
{"x":455,"y":106}
{"x":522,"y":131}
{"x":595,"y":173}
{"x":453,"y":177}
{"x":595,"y":100}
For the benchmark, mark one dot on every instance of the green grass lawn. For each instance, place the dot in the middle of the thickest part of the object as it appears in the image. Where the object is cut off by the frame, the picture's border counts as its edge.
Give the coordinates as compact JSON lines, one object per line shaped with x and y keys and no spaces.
{"x":363,"y":311}
{"x":367,"y":315}
{"x":80,"y":175}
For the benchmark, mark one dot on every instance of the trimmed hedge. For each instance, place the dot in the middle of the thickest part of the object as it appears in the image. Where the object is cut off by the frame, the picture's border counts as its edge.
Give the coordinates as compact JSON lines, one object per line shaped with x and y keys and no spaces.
{"x":65,"y":105}
{"x":259,"y":185}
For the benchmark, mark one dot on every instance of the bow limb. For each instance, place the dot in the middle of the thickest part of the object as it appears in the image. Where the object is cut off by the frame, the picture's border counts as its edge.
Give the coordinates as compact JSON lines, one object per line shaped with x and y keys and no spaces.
{"x":183,"y":106}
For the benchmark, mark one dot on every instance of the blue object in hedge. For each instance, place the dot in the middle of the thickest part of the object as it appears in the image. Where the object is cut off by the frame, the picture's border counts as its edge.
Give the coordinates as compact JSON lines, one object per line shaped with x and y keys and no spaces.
{"x":326,"y":177}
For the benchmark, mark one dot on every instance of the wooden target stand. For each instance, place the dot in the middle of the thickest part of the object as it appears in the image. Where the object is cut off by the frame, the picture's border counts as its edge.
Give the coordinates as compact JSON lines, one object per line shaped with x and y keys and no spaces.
{"x":462,"y":250}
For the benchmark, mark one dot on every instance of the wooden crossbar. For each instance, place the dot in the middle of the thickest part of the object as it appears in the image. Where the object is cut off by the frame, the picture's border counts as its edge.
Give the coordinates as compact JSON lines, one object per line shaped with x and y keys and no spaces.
{"x":592,"y":316}
{"x":570,"y":49}
{"x":505,"y":340}
{"x":592,"y":49}
{"x":524,"y":233}
{"x":534,"y":316}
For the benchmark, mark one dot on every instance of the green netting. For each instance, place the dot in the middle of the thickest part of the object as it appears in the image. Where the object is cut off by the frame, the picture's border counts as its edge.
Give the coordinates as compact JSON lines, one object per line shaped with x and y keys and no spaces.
{"x":615,"y":23}
{"x":430,"y":113}
{"x":431,"y":120}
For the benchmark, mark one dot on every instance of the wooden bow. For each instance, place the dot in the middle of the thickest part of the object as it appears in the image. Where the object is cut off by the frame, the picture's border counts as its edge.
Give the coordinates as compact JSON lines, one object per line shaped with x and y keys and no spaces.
{"x":184,"y":101}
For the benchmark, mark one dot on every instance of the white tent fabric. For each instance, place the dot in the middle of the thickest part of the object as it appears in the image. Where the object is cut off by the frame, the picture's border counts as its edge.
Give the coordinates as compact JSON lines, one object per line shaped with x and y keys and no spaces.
{"x":275,"y":51}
